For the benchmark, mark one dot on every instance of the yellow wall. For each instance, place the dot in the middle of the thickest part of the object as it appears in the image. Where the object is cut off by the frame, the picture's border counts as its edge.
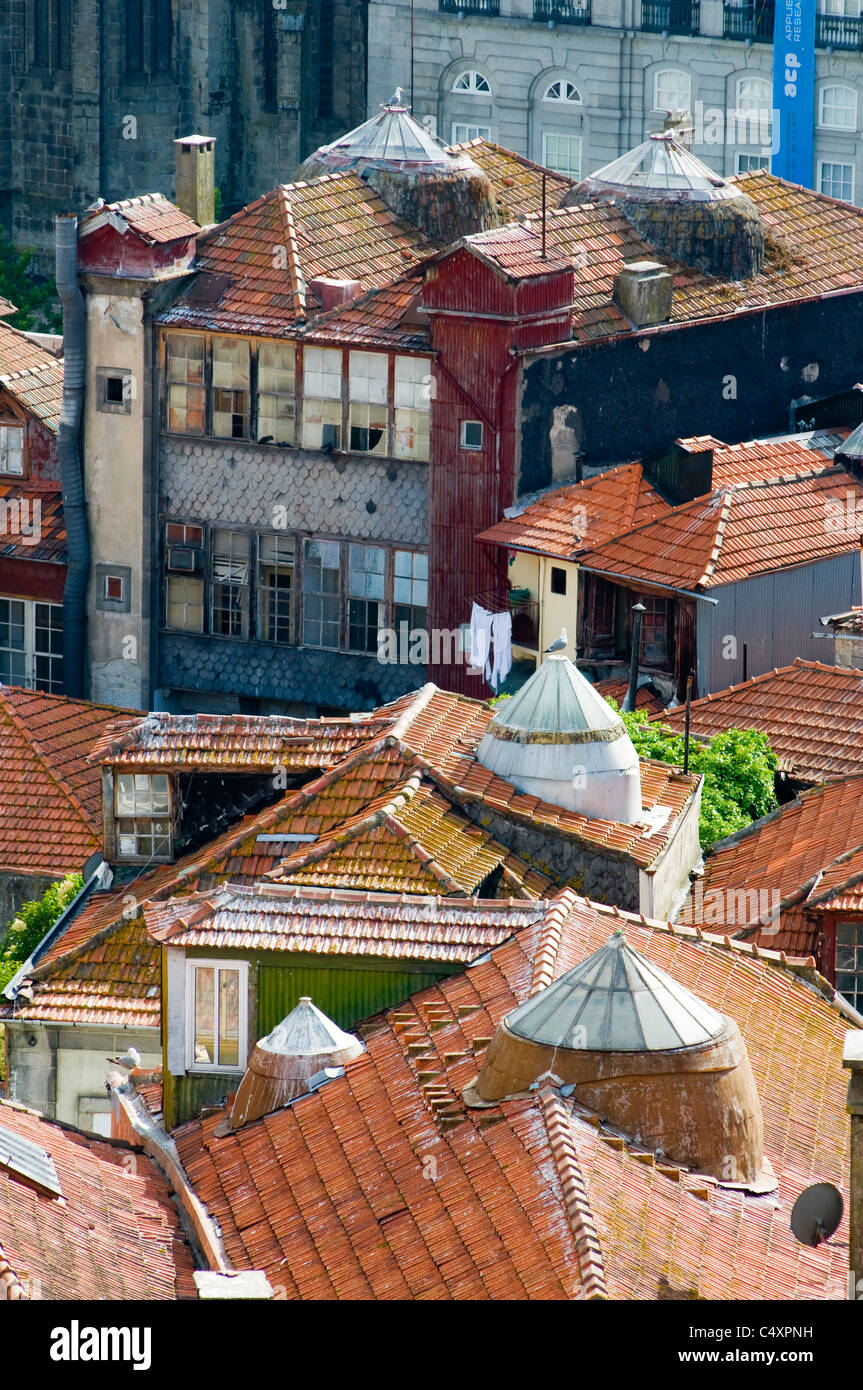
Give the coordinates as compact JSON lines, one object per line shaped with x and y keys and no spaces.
{"x":556,"y":611}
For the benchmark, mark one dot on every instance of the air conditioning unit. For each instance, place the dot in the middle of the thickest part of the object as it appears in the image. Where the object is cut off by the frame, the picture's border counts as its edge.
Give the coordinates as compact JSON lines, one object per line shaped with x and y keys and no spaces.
{"x":184,"y":560}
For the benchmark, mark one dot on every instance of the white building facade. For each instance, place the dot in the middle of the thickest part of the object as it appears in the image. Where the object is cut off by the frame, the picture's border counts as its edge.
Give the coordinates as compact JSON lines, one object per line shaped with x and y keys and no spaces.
{"x":574,"y":83}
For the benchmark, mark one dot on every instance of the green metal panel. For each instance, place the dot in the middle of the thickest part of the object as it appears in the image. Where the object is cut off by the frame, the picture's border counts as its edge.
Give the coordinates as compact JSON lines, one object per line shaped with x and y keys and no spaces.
{"x":346,"y":994}
{"x":185,"y":1096}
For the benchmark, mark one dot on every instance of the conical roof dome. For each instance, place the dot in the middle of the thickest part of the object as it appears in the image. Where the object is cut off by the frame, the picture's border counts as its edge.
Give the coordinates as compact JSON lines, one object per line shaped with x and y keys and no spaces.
{"x":284,"y":1062}
{"x":681,"y":207}
{"x":558,"y":739}
{"x":616,"y":1001}
{"x":663,"y":166}
{"x":556,"y":699}
{"x":390,"y":140}
{"x":852,"y":448}
{"x":306,"y":1032}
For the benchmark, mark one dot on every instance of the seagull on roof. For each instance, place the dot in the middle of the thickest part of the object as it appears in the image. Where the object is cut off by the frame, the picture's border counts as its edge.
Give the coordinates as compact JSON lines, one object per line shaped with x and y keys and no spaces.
{"x":129,"y":1061}
{"x":396,"y":98}
{"x":559,"y":645}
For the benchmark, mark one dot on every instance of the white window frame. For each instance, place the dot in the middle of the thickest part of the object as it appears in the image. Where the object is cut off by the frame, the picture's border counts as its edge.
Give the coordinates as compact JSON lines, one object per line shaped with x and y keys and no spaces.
{"x":194,"y":963}
{"x":836,"y":164}
{"x":831,"y":125}
{"x":411,"y":407}
{"x":472,"y":86}
{"x":745,"y":103}
{"x":481,"y":132}
{"x":463,"y":435}
{"x":548,"y":135}
{"x":569,"y":95}
{"x":763,"y":158}
{"x":29,"y":651}
{"x":11,"y":429}
{"x":675,"y":105}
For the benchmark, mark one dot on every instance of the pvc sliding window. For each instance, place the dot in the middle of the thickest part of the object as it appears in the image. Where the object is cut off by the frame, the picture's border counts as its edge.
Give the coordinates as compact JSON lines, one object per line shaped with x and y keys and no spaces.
{"x":230,"y":584}
{"x":412,"y":404}
{"x":184,"y":370}
{"x":217,"y":995}
{"x":230,"y":388}
{"x":142,"y":808}
{"x":322,"y":398}
{"x":275,"y":588}
{"x":410,"y":589}
{"x":369,"y":377}
{"x":321,"y":606}
{"x":277,"y":394}
{"x":366,"y":578}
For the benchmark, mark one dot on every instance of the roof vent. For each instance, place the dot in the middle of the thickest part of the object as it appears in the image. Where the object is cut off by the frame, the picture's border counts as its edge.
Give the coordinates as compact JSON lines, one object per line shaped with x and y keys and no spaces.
{"x":558,"y":739}
{"x":331,"y":292}
{"x":299,"y":1051}
{"x":642,"y":291}
{"x":644,"y":1053}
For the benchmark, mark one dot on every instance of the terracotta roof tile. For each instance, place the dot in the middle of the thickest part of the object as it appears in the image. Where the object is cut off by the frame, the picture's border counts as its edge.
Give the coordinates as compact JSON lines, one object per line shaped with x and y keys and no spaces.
{"x":114,"y":1234}
{"x":812,"y":715}
{"x":151,"y":215}
{"x":383,"y":1185}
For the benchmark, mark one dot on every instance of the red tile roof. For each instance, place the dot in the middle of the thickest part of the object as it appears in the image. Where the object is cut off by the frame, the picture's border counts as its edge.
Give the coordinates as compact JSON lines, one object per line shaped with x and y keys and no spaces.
{"x":114,"y":1233}
{"x":321,"y":921}
{"x":812,"y":715}
{"x":34,"y":526}
{"x":735,"y":533}
{"x":617,"y":688}
{"x":792,"y":864}
{"x":568,"y":519}
{"x":31,"y":375}
{"x":50,"y":795}
{"x":7,"y":308}
{"x":115,"y":981}
{"x":382,"y":1185}
{"x":151,"y":216}
{"x":515,"y":251}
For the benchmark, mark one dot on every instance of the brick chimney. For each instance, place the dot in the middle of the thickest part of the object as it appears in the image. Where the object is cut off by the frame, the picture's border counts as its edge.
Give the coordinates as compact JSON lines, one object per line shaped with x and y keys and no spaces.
{"x":195,"y":177}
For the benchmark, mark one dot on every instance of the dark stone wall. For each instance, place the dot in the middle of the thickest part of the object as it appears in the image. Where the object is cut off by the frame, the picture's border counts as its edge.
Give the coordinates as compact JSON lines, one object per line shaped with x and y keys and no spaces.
{"x":270,"y":85}
{"x":734,"y":378}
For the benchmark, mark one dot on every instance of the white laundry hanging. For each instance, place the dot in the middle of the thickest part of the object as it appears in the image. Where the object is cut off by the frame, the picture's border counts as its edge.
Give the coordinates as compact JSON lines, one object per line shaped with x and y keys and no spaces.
{"x":501,"y":633}
{"x":480,"y":636}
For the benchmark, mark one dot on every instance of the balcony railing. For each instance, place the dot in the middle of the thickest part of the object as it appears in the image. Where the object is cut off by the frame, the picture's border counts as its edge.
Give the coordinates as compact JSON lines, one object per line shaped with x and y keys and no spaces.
{"x":562,"y":11}
{"x":670,"y":16}
{"x":489,"y":7}
{"x":753,"y":22}
{"x":838,"y":31}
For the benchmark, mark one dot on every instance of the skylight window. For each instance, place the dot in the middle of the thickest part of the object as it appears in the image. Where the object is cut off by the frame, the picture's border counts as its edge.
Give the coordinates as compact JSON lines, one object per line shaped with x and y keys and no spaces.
{"x":26,"y":1160}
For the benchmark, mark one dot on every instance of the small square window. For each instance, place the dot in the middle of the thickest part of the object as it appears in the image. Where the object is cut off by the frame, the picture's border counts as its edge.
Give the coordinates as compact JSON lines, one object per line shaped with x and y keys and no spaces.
{"x":113,"y":587}
{"x":471,"y":434}
{"x":114,"y":390}
{"x":558,"y":580}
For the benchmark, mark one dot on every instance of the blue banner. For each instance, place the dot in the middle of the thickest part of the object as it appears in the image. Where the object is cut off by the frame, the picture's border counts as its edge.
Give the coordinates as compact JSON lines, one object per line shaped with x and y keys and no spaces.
{"x":793,"y":90}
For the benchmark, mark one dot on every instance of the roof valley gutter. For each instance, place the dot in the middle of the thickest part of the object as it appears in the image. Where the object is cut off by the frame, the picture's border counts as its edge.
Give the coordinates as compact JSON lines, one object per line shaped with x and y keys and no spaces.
{"x":646,"y":584}
{"x":101,"y":877}
{"x":68,"y":449}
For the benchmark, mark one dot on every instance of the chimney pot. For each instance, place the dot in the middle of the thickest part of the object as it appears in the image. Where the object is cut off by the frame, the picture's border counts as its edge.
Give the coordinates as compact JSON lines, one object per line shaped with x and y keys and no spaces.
{"x":332,"y":292}
{"x":643,"y":292}
{"x":195,"y":177}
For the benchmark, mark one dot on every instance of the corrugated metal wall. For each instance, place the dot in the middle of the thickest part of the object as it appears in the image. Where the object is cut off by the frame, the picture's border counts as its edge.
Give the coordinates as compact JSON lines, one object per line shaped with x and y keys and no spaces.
{"x":345,"y":996}
{"x":774,"y":615}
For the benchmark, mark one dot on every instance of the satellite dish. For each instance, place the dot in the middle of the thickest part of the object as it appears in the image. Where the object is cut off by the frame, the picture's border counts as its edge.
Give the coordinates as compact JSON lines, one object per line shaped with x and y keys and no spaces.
{"x":817,"y":1213}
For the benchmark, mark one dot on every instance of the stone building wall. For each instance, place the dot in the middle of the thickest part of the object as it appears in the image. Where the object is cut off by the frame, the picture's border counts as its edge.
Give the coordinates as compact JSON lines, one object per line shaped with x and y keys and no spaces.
{"x":244,"y":71}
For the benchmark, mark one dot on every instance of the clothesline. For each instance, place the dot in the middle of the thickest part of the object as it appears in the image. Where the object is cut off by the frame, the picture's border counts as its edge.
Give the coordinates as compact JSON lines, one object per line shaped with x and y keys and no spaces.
{"x":491,"y":633}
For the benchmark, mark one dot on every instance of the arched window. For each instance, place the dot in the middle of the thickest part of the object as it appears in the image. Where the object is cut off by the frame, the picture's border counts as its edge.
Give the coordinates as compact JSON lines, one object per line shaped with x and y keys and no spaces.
{"x":672,"y":90}
{"x":838,"y":107}
{"x":563,"y":91}
{"x":471,"y":82}
{"x":754,"y":94}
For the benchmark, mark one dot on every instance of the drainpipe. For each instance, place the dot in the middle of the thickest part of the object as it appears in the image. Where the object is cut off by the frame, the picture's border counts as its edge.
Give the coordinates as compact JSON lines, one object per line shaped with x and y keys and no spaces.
{"x":69,"y":452}
{"x":629,"y":701}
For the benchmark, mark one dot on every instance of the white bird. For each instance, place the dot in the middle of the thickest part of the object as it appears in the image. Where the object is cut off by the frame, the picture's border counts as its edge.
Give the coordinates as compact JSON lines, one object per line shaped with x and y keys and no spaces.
{"x":559,"y":645}
{"x":396,"y":98}
{"x":129,"y":1061}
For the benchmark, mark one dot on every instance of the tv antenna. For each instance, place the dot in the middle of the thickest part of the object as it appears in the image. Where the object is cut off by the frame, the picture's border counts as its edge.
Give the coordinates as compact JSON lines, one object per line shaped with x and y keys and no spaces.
{"x":817,"y":1213}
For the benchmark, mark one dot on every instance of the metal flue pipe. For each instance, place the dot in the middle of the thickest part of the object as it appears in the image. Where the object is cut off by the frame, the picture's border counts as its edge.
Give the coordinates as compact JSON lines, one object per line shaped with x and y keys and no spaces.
{"x":629,"y":701}
{"x":69,"y":454}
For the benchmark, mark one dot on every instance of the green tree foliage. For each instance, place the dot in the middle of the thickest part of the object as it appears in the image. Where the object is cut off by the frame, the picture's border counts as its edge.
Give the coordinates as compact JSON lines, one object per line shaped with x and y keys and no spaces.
{"x":36,"y":301}
{"x":738,"y":767}
{"x":33,"y":921}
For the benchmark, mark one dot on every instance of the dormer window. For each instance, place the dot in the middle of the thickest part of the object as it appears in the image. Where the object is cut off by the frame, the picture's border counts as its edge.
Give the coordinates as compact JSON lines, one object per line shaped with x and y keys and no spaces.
{"x":12,"y":449}
{"x":142,"y":809}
